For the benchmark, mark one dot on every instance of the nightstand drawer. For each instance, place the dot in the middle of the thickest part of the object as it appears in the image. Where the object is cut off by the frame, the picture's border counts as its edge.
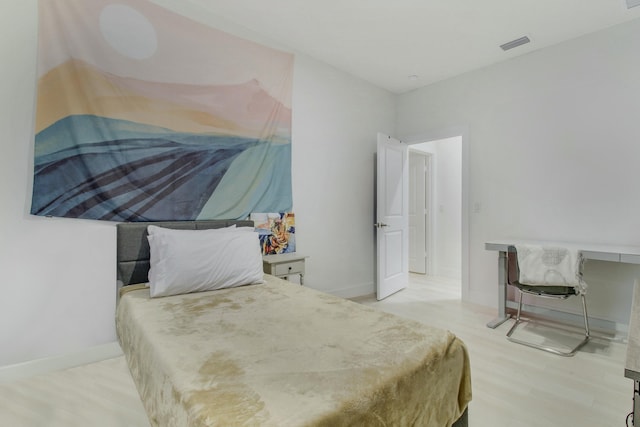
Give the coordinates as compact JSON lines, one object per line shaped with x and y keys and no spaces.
{"x":295,"y":267}
{"x":284,"y":265}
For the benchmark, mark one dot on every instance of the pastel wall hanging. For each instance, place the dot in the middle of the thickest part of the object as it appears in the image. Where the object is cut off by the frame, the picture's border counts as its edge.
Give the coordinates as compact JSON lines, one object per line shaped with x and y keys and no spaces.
{"x":145,"y":115}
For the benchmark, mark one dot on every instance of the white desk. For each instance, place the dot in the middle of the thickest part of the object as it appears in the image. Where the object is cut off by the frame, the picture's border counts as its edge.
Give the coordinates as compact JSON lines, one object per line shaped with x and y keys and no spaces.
{"x":624,"y":254}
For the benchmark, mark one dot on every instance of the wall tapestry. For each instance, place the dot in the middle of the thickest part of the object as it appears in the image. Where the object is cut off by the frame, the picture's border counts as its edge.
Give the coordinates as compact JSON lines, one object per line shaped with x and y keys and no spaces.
{"x":276,"y":231}
{"x":145,"y":115}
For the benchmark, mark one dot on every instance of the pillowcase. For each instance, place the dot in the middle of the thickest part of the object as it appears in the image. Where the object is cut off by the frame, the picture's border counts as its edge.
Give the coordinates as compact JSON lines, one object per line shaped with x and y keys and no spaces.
{"x":184,"y":261}
{"x":156,"y":257}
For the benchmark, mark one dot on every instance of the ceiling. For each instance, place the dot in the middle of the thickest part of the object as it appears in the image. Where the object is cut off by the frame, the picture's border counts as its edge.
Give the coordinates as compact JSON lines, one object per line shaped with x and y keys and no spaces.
{"x":387,"y":41}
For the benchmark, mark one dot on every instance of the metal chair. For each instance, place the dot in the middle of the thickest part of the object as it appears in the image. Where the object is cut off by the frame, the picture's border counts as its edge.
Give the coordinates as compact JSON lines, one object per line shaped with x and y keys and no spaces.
{"x":555,"y":292}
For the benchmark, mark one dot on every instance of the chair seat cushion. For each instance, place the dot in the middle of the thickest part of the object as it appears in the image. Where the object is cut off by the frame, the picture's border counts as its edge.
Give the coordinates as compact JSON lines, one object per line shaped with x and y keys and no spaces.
{"x":546,"y":290}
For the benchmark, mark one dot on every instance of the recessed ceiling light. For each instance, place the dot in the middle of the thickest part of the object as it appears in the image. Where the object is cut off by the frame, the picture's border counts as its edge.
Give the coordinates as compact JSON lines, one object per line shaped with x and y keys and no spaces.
{"x":632,"y":3}
{"x":515,"y":43}
{"x":413,"y":77}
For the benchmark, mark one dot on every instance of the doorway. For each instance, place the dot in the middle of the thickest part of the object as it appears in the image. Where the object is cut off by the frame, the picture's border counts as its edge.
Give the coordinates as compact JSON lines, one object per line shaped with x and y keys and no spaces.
{"x":420,"y":251}
{"x":440,"y":254}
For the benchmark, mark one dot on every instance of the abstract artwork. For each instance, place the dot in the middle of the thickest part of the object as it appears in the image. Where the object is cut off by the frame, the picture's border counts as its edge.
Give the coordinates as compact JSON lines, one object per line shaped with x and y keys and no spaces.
{"x":145,"y":115}
{"x":276,"y":231}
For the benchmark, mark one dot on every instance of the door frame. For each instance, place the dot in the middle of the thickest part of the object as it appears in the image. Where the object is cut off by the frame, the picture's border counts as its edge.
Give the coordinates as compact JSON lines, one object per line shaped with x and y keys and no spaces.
{"x":461,"y":131}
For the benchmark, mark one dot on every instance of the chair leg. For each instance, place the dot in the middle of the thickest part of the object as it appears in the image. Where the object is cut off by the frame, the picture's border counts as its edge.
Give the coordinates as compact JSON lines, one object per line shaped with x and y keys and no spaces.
{"x":551,"y":349}
{"x":586,"y":317}
{"x":517,"y":322}
{"x":586,"y":327}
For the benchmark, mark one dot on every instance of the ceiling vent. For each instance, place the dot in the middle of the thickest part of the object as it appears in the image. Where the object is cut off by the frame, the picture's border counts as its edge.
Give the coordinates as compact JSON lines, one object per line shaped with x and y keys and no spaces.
{"x":522,"y":40}
{"x":632,"y":3}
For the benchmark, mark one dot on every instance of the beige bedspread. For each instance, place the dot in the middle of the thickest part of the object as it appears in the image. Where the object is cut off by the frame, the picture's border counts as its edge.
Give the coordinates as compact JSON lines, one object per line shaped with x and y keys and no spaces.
{"x":279,"y":354}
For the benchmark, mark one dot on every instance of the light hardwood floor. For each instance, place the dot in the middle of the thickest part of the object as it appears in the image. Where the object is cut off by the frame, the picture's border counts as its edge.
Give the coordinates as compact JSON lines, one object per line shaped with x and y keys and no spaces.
{"x":513,"y":385}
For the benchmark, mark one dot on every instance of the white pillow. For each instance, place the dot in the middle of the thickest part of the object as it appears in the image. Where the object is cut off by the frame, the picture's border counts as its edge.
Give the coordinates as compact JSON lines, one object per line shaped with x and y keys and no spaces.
{"x":156,"y":257}
{"x":184,"y":261}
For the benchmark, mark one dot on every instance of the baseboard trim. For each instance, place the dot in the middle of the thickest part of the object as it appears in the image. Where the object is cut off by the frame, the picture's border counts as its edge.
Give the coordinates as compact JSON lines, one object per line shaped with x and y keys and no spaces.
{"x":353,"y":291}
{"x":46,"y":365}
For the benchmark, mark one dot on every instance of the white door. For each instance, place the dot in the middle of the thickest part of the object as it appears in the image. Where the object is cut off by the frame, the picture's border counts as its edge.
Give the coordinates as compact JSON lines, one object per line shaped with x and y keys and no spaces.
{"x":392,"y":216}
{"x":418,"y":211}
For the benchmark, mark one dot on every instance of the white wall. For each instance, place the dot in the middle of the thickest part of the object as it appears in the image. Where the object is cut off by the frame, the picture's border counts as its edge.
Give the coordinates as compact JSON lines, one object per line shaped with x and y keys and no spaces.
{"x":447,"y":204}
{"x":58,"y":275}
{"x":335,"y":120}
{"x":553,"y":153}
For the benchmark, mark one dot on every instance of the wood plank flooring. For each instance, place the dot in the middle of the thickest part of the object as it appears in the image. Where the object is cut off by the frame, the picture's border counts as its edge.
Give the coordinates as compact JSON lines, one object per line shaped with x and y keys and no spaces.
{"x":100,"y":394}
{"x":513,"y":386}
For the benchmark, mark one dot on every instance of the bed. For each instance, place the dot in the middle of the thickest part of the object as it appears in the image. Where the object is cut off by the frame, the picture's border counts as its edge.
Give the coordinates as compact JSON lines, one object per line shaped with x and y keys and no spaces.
{"x":279,"y":354}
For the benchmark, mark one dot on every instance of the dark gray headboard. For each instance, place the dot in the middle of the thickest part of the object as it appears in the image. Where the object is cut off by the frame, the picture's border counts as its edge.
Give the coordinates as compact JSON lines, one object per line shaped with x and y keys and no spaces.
{"x":133,"y":246}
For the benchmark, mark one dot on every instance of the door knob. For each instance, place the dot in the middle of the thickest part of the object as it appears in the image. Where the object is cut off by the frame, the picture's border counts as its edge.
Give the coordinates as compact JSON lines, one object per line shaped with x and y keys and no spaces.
{"x":380,"y":225}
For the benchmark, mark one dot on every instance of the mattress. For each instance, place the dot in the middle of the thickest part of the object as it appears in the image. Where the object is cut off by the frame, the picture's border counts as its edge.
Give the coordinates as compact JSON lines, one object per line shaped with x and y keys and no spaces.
{"x":280,"y":354}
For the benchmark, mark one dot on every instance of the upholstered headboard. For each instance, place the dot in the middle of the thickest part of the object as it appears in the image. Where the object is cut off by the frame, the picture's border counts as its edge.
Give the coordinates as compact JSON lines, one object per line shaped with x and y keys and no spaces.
{"x":133,"y":246}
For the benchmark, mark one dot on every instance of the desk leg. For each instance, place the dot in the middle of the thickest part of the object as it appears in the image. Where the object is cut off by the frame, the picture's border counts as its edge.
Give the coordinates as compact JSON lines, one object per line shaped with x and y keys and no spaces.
{"x":502,"y":292}
{"x":636,"y":403}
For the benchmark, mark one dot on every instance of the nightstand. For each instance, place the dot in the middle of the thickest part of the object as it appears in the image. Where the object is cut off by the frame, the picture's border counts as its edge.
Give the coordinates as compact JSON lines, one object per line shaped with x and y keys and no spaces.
{"x":284,"y":265}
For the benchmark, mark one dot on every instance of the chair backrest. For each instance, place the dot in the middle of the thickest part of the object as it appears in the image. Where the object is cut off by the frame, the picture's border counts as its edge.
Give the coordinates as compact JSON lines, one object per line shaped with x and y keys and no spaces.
{"x":513,"y":273}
